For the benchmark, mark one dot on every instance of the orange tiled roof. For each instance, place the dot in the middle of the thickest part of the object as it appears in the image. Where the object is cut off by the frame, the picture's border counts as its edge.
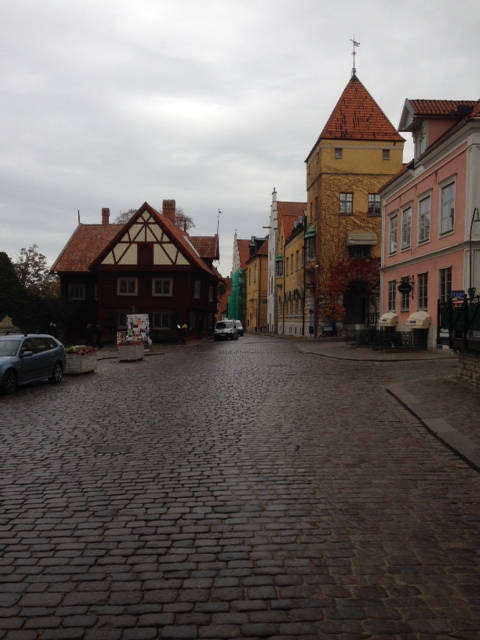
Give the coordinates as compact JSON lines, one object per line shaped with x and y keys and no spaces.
{"x":357,"y":116}
{"x":243,"y":251}
{"x":207,"y":246}
{"x":288,"y":212}
{"x":84,"y":245}
{"x":89,"y":243}
{"x":261,"y":251}
{"x":438,"y":107}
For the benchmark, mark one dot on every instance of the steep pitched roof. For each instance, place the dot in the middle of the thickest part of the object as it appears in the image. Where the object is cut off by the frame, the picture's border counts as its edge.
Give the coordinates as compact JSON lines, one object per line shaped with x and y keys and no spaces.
{"x":288,"y":212}
{"x":90,"y":243}
{"x":243,"y":251}
{"x":84,"y":245}
{"x":261,"y":251}
{"x":207,"y":246}
{"x":357,"y":116}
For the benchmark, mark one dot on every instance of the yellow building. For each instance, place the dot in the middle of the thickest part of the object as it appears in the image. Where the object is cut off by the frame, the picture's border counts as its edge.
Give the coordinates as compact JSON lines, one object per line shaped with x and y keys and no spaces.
{"x":293,"y":319}
{"x":256,"y":280}
{"x":355,"y":154}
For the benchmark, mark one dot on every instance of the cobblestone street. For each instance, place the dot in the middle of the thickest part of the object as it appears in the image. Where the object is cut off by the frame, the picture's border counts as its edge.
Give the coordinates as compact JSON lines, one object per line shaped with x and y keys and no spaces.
{"x":233,"y":490}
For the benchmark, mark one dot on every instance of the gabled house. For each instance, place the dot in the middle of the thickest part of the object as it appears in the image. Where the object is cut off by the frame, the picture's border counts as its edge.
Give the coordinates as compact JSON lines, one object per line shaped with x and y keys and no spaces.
{"x":236,"y":298}
{"x":431,"y":241}
{"x":357,"y":151}
{"x":256,"y":286}
{"x":285,"y":218}
{"x":147,"y":265}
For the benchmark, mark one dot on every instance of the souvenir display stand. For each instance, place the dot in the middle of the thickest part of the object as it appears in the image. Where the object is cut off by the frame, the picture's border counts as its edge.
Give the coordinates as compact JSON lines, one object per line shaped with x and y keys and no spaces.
{"x":131,"y":343}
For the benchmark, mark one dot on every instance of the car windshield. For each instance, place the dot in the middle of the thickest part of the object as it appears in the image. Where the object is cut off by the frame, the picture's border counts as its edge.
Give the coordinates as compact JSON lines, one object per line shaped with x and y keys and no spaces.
{"x":224,"y":325}
{"x":8,"y":347}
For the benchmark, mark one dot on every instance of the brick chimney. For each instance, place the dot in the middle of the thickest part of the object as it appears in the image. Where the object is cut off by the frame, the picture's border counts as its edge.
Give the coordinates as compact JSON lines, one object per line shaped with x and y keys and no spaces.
{"x":105,"y":215}
{"x":168,"y":209}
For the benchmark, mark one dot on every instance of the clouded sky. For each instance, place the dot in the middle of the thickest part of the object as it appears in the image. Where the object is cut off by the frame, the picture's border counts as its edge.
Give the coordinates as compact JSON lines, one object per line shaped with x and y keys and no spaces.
{"x":110,"y":103}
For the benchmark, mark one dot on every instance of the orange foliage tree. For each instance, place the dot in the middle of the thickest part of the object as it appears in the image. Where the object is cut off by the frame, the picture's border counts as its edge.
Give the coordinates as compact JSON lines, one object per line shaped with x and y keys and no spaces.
{"x":340,"y":275}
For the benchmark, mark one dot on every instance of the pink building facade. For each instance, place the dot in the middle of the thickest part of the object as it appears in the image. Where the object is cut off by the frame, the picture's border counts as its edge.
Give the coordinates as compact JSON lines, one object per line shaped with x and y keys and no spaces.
{"x":428,"y":253}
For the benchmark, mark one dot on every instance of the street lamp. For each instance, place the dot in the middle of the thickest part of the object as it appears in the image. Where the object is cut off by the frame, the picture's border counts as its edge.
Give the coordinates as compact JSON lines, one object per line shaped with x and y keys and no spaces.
{"x":475,"y":218}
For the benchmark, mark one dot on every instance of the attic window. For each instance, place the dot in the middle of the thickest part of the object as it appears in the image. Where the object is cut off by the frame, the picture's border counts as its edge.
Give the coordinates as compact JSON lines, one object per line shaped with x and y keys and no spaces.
{"x":338,"y":153}
{"x":385,"y":154}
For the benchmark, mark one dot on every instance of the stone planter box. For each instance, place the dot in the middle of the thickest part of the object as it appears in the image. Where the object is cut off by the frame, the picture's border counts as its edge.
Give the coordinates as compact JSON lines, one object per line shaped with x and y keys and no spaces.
{"x":76,"y":363}
{"x":130,"y":352}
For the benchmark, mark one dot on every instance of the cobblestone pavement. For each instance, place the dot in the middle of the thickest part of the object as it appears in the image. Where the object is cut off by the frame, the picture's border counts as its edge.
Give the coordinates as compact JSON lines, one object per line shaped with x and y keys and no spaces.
{"x":232,"y":490}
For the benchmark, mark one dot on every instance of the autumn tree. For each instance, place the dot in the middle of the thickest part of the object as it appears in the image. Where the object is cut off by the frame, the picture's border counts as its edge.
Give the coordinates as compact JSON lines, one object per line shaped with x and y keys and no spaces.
{"x":33,"y":272}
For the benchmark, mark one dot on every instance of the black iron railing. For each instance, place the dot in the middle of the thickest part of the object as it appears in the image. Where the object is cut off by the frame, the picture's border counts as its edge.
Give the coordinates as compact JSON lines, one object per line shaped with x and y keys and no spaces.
{"x":385,"y":339}
{"x":459,"y":323}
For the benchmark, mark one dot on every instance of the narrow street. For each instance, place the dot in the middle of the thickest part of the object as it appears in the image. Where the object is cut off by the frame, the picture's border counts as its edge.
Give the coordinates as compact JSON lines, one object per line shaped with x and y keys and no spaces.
{"x":233,"y":490}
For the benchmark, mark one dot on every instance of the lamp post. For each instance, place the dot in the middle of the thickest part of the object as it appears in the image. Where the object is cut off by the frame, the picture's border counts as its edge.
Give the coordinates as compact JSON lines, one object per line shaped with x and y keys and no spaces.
{"x":475,"y":218}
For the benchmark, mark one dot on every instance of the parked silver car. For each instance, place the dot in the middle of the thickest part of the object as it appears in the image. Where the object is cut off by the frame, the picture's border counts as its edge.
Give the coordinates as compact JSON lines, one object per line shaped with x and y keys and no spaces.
{"x":29,"y":358}
{"x":225,"y":330}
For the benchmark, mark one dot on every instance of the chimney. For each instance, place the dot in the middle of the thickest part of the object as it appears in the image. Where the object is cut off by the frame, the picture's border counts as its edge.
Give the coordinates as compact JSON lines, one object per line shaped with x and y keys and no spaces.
{"x":168,"y":209}
{"x":105,"y":215}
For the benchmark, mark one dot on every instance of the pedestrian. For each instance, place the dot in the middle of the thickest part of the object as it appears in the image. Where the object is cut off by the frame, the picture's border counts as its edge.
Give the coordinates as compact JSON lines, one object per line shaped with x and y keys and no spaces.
{"x":98,"y":336}
{"x":52,"y":329}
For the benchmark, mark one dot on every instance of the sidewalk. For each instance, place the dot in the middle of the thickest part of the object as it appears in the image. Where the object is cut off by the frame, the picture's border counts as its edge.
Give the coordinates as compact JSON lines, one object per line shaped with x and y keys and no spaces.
{"x":445,"y":404}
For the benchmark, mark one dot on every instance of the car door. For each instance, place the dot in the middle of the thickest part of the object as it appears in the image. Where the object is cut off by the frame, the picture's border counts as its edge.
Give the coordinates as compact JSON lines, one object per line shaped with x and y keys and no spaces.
{"x":29,"y":364}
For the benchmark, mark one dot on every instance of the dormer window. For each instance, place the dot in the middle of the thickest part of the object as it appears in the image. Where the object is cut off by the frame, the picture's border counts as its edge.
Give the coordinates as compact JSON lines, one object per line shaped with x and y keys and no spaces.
{"x":419,"y":140}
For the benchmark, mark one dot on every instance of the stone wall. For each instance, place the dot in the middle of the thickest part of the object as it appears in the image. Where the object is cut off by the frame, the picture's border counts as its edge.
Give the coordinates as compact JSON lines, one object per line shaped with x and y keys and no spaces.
{"x":469,"y":366}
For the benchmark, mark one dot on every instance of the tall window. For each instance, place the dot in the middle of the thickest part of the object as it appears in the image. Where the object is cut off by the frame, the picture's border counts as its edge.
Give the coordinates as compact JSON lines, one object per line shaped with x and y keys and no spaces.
{"x":391,"y":295}
{"x":405,"y":298}
{"x":422,"y":291}
{"x":447,"y":212}
{"x":279,"y":267}
{"x":406,"y":227}
{"x":346,"y":204}
{"x":385,"y":154}
{"x":373,"y":204}
{"x":127,"y":286}
{"x":338,"y":153}
{"x":310,"y":248}
{"x":445,"y":284}
{"x":424,"y":219}
{"x":162,"y":320}
{"x":162,"y":287}
{"x":392,"y":238}
{"x":197,"y":287}
{"x":77,"y":291}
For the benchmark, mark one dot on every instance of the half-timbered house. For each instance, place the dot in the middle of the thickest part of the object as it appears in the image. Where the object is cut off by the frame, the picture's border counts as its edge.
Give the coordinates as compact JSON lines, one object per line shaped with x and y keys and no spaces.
{"x":147,"y":265}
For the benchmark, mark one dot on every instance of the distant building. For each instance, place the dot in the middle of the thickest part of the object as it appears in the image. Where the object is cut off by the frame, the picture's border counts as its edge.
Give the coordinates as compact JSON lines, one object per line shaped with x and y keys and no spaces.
{"x":428,"y":254}
{"x":357,"y":151}
{"x":147,"y":265}
{"x":256,"y":275}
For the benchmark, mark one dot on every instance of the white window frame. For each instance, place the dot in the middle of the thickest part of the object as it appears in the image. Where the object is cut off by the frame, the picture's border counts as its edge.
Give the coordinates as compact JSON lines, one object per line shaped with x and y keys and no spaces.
{"x":422,"y":280}
{"x":422,"y":216}
{"x":446,"y":204}
{"x":128,"y":280}
{"x":77,"y":291}
{"x":392,"y":289}
{"x":374,"y":205}
{"x":393,"y":233}
{"x":345,"y":203}
{"x":163,"y":281}
{"x":406,"y":227}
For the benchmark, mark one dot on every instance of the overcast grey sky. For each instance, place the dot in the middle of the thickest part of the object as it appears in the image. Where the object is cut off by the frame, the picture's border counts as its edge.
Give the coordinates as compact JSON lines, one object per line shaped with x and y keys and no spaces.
{"x":110,"y":103}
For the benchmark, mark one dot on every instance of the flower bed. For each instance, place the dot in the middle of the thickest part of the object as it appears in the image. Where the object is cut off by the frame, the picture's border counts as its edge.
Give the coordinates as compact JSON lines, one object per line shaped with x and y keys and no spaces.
{"x":80,"y":359}
{"x":129,"y":351}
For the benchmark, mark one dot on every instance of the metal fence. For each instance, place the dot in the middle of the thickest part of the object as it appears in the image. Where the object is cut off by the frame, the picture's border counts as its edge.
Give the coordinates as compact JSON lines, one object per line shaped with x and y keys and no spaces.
{"x":385,"y":339}
{"x":459,"y":323}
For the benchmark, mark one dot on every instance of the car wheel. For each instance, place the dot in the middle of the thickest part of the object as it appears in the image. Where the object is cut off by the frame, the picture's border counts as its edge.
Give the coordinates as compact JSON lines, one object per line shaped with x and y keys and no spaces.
{"x":57,"y":374}
{"x":9,"y":381}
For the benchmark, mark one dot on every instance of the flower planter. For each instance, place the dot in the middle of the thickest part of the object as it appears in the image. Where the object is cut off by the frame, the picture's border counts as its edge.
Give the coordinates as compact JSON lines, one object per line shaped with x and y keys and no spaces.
{"x":130,"y":352}
{"x":76,"y":363}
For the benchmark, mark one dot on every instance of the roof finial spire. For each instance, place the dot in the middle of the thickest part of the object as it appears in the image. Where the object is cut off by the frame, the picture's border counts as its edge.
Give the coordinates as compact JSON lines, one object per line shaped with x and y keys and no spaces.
{"x":354,"y":53}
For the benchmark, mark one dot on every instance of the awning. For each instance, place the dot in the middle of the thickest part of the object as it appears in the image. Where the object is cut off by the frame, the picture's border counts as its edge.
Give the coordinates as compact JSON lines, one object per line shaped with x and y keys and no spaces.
{"x":279,"y":256}
{"x":361,"y":238}
{"x":389,"y":319}
{"x":419,"y":320}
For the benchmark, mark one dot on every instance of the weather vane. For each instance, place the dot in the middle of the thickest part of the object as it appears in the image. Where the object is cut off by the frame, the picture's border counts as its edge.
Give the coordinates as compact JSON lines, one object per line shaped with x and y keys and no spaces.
{"x":354,"y":53}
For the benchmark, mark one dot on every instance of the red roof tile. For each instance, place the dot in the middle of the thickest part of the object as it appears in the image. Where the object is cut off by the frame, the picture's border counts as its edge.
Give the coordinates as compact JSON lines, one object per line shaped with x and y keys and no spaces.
{"x":207,"y":246}
{"x":89,"y":243}
{"x":243,"y":251}
{"x":84,"y":245}
{"x":288,"y":212}
{"x":438,"y":107}
{"x":357,"y":116}
{"x":261,"y":251}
